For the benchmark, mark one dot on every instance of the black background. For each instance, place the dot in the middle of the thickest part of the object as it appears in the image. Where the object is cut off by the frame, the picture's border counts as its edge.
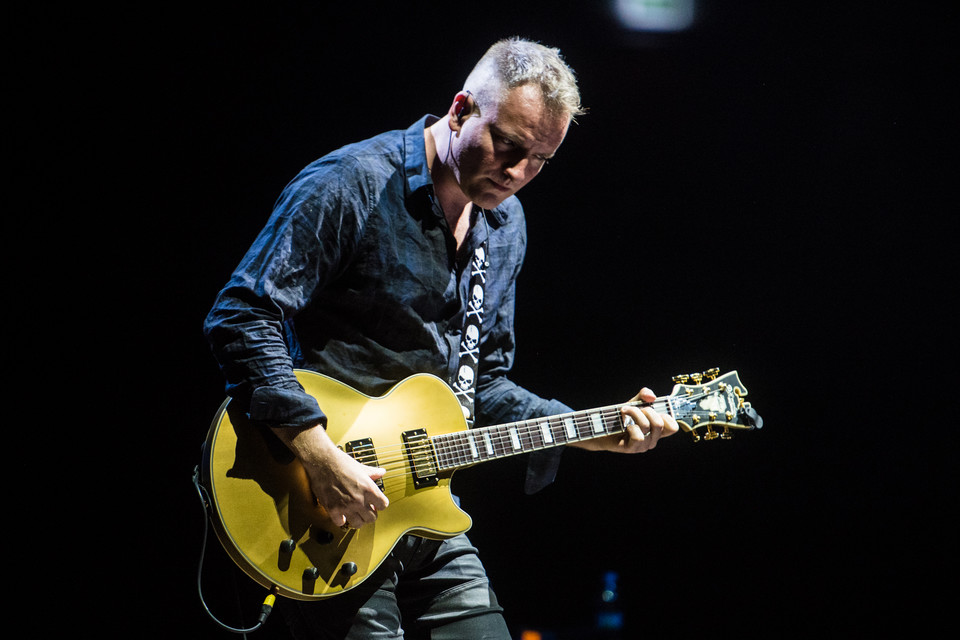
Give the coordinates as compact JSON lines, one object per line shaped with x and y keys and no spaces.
{"x":759,"y":193}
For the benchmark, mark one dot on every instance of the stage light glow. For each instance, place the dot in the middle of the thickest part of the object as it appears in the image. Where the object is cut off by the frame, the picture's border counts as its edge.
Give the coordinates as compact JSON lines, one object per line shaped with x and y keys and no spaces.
{"x":654,"y":15}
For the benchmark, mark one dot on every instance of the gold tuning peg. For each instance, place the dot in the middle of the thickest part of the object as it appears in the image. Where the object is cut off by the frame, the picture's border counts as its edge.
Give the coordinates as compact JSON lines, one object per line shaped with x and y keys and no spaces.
{"x":710,"y":374}
{"x":710,"y":434}
{"x":696,"y":377}
{"x":681,"y":379}
{"x":726,"y":435}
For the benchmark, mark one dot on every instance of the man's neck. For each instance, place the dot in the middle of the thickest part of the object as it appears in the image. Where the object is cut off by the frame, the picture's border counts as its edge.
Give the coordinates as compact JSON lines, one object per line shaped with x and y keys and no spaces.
{"x":457,"y":208}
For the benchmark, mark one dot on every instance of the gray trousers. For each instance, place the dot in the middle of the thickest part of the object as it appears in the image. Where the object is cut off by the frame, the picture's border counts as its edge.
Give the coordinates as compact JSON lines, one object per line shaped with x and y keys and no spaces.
{"x":425,"y":589}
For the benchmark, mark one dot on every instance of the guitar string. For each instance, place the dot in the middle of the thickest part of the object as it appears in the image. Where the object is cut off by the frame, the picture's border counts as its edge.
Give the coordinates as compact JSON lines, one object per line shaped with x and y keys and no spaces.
{"x":399,"y":467}
{"x":449,"y":444}
{"x":451,"y":454}
{"x":502,"y":433}
{"x":523,"y":429}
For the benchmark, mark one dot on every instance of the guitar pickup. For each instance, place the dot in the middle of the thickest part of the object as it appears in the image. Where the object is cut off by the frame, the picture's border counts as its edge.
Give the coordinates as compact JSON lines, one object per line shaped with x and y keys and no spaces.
{"x":364,"y":452}
{"x":423,"y":465}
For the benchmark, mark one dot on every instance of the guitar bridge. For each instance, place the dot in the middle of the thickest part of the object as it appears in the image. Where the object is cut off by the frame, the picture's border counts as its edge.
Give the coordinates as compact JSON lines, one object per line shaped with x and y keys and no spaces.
{"x":364,"y":452}
{"x":423,"y":465}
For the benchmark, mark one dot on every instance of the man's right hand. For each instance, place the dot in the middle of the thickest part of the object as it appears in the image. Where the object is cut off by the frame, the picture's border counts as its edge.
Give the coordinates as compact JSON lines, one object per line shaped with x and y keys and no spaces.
{"x":345,"y":488}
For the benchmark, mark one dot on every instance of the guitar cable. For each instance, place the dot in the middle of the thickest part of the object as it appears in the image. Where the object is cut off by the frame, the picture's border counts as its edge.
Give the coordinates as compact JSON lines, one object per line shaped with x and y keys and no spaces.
{"x":265,"y":608}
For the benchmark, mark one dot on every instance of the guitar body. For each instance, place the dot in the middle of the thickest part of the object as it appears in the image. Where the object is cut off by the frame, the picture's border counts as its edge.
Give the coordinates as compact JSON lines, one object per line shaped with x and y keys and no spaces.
{"x":265,"y":513}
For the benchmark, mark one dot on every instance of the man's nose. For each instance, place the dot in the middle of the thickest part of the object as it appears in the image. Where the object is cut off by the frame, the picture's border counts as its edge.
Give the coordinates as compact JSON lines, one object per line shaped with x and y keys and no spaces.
{"x":517,"y":169}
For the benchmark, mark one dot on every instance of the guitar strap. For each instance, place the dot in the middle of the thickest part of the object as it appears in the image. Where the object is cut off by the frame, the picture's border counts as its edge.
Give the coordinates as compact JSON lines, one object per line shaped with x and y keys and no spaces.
{"x":465,"y":385}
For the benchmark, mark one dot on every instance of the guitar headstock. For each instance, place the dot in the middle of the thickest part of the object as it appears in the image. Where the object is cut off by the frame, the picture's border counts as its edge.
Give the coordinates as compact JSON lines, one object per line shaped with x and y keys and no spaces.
{"x":713,"y":405}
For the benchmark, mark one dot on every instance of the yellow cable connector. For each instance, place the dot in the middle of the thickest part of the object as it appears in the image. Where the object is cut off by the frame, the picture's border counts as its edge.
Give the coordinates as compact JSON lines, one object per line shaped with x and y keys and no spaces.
{"x":266,"y":607}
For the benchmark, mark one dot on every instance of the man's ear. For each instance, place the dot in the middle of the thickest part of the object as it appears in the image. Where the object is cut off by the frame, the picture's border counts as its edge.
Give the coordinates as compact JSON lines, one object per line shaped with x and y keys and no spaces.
{"x":462,"y":107}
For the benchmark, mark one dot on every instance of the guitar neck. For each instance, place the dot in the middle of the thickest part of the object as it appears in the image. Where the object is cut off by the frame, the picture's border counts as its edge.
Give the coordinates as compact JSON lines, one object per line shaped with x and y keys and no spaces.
{"x":466,"y":448}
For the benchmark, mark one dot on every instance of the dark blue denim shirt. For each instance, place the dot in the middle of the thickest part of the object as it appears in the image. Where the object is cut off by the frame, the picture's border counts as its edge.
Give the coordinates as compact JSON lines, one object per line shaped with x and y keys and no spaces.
{"x":356,"y":275}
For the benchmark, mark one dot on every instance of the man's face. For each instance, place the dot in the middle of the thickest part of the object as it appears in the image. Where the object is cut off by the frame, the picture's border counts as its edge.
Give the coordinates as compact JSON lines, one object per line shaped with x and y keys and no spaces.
{"x":500,"y":150}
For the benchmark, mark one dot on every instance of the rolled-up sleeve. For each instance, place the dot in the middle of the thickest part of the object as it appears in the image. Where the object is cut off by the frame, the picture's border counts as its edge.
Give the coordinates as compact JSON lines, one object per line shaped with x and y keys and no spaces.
{"x":299,"y":250}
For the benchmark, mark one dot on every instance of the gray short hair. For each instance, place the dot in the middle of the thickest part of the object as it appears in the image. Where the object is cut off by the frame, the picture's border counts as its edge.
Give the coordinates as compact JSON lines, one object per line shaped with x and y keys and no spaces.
{"x":515,"y":62}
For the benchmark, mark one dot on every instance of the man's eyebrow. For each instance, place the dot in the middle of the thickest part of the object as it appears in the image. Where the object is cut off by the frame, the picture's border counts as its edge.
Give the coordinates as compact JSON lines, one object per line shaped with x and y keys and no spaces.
{"x":503,"y":134}
{"x":517,"y":141}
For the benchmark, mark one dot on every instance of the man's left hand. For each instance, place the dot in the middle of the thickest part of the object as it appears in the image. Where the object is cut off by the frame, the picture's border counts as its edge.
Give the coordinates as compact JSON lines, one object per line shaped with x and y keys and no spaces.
{"x":644,"y":428}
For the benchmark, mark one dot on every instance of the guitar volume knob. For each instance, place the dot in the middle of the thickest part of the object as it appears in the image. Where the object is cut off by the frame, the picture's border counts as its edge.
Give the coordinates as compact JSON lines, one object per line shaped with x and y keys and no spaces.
{"x":285,"y":555}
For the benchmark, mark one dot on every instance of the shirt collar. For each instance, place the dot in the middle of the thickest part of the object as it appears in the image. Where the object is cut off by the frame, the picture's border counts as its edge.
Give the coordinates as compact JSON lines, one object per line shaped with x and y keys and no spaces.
{"x":415,"y":155}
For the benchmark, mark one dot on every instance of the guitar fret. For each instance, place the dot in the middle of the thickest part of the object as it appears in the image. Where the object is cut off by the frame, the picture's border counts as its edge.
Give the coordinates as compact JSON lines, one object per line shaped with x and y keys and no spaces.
{"x":532,"y":436}
{"x":670,"y":408}
{"x":463,"y":448}
{"x":440,"y":450}
{"x":613,"y":422}
{"x":488,"y":442}
{"x":507,"y":441}
{"x":597,"y":421}
{"x":454,"y":451}
{"x":473,"y":447}
{"x":515,"y":438}
{"x":556,"y":429}
{"x":499,"y":441}
{"x":454,"y":443}
{"x":531,"y":433}
{"x":545,"y":432}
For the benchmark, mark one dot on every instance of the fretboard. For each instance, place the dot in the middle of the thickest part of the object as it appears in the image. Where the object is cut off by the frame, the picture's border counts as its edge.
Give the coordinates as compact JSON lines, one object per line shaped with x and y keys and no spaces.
{"x":465,"y":448}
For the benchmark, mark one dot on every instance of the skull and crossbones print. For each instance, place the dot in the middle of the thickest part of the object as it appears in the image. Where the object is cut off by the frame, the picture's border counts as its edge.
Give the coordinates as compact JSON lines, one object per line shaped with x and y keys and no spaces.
{"x":470,"y":342}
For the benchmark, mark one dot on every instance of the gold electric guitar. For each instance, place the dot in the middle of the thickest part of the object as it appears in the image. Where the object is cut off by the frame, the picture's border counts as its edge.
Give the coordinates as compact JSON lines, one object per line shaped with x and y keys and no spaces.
{"x":267,"y":518}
